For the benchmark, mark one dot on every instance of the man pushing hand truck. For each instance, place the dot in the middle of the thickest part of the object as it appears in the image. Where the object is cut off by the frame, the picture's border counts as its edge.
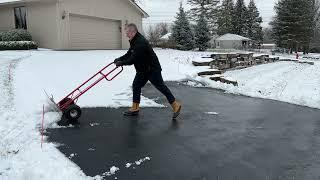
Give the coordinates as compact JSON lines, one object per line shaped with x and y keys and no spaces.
{"x":148,"y":68}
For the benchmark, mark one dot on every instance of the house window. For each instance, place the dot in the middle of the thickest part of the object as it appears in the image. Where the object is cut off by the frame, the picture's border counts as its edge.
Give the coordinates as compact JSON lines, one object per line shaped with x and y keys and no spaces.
{"x":20,"y":17}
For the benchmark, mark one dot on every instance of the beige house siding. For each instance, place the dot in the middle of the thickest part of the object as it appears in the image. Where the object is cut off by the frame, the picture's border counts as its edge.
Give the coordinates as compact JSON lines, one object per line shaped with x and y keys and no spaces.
{"x":42,"y":23}
{"x":229,"y":44}
{"x":6,"y":18}
{"x":92,"y":33}
{"x":116,"y":10}
{"x":49,"y":21}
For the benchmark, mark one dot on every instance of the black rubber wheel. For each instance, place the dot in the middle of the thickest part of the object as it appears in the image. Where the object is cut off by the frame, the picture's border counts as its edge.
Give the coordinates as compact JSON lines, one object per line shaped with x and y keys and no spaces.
{"x":72,"y":113}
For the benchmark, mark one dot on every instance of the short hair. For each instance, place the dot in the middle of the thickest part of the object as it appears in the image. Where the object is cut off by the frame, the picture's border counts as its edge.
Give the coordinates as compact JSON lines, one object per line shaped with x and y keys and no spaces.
{"x":133,"y":26}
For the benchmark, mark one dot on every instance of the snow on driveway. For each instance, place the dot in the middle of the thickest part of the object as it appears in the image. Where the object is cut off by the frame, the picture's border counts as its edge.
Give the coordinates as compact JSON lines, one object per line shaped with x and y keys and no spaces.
{"x":59,"y":72}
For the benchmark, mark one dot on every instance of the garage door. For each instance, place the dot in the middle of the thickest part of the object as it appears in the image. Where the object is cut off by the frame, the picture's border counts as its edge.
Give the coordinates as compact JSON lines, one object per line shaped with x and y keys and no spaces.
{"x":94,"y":33}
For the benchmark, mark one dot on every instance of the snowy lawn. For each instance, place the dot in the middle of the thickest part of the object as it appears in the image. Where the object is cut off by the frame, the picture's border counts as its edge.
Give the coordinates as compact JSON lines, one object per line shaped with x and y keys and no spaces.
{"x":59,"y":72}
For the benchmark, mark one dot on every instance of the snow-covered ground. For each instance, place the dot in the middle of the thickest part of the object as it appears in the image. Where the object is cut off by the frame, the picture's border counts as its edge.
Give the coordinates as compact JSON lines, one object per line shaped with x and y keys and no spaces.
{"x":283,"y":81}
{"x":24,"y":75}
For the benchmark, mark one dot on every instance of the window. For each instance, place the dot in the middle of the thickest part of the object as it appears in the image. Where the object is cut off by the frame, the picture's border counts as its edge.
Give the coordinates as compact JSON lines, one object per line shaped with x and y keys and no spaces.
{"x":20,"y":17}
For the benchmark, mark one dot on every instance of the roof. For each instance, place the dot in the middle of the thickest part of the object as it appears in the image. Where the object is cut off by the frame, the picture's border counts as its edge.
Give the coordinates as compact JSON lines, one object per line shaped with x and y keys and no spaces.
{"x":8,"y":2}
{"x":232,"y":37}
{"x":166,"y":36}
{"x":145,"y":15}
{"x":5,"y":2}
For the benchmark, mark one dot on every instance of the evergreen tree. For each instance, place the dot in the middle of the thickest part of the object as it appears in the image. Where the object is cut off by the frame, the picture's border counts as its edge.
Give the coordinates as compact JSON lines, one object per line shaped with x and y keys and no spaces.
{"x":254,"y":28}
{"x":240,"y":18}
{"x":225,"y":17}
{"x":181,"y":31}
{"x":267,"y":36}
{"x":294,"y":24}
{"x":206,"y":7}
{"x":202,"y":35}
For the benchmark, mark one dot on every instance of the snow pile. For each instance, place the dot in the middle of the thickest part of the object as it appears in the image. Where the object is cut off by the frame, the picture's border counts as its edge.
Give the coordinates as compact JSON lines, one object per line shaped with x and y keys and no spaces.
{"x":21,"y":155}
{"x":138,"y":162}
{"x":113,"y":170}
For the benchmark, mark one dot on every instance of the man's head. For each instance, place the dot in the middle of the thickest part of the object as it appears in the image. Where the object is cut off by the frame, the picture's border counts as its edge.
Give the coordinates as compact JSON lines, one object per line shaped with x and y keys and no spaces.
{"x":131,"y":30}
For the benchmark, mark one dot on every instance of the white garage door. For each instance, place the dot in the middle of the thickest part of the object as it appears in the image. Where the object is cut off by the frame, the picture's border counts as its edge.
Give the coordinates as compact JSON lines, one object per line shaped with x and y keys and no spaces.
{"x":94,"y":33}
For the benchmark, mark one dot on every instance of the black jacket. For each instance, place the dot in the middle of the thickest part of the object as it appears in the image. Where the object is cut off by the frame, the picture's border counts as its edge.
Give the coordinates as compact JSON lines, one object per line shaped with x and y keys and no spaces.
{"x":141,"y":55}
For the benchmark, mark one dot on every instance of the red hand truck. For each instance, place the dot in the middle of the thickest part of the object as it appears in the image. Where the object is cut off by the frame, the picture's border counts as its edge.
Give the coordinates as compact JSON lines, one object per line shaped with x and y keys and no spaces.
{"x":68,"y":104}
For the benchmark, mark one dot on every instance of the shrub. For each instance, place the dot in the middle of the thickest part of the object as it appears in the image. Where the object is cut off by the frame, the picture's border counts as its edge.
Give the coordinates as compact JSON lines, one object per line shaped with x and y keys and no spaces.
{"x":167,"y":44}
{"x":16,"y":35}
{"x":18,"y":45}
{"x":315,"y":50}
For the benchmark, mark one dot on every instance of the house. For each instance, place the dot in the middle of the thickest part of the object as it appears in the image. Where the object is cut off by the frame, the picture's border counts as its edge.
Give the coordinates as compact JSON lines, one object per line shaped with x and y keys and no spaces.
{"x":73,"y":24}
{"x":232,"y":41}
{"x":166,"y":37}
{"x":268,"y":46}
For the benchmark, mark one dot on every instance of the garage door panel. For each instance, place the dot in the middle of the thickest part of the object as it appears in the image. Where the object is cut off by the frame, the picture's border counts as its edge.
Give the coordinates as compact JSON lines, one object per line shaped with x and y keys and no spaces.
{"x":94,"y":33}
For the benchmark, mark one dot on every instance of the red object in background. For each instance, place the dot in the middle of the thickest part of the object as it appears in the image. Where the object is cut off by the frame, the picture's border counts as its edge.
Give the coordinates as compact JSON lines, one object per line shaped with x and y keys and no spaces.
{"x":297,"y":55}
{"x":75,"y":94}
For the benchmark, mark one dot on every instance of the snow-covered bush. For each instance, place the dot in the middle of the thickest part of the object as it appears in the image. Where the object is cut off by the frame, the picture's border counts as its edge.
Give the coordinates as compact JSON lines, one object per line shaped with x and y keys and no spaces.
{"x":18,"y":45}
{"x":16,"y":35}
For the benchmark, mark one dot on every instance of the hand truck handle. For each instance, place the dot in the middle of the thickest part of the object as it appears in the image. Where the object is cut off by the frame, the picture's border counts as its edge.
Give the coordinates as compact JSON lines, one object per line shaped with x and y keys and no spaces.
{"x":114,"y":76}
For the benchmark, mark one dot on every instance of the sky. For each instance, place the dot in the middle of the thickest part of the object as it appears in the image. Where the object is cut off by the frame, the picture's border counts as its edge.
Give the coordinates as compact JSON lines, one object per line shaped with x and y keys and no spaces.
{"x":165,"y":10}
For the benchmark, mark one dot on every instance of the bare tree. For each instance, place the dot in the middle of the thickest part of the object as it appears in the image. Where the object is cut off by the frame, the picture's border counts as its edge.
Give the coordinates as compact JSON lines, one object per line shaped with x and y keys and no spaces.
{"x":163,"y":28}
{"x":155,"y":32}
{"x":153,"y":35}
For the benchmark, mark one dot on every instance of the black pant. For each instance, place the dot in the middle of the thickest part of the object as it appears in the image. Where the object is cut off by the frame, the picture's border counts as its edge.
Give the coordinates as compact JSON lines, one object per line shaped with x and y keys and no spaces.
{"x":156,"y":79}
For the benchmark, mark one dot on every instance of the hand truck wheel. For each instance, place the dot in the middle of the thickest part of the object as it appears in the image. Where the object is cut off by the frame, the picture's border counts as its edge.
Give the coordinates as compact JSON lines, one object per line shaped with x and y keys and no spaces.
{"x":72,"y":113}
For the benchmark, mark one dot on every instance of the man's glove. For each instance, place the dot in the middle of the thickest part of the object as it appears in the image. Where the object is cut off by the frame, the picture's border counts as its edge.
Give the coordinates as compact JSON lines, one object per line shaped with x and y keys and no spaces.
{"x":116,"y":60}
{"x":119,"y":63}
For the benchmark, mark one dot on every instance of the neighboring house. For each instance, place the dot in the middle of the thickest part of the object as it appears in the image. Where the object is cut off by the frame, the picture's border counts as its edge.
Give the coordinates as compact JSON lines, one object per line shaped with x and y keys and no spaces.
{"x":166,"y":37}
{"x":232,"y":41}
{"x":268,"y":46}
{"x":73,"y":24}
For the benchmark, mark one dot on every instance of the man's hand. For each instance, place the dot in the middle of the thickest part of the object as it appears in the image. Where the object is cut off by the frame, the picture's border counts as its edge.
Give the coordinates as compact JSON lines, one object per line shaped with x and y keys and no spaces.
{"x":116,"y":60}
{"x":118,"y":63}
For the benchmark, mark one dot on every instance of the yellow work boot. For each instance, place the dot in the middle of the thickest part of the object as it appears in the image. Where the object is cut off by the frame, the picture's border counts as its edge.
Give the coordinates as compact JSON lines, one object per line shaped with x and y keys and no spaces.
{"x":133,"y":111}
{"x":176,"y":107}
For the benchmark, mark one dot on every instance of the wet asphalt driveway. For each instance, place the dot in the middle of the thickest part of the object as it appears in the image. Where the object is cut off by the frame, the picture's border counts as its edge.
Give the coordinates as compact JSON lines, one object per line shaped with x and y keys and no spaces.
{"x":250,"y":139}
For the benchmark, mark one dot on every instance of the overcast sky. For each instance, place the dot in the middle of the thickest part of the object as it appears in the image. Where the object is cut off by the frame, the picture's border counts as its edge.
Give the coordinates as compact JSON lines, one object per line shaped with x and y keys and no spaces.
{"x":165,"y":10}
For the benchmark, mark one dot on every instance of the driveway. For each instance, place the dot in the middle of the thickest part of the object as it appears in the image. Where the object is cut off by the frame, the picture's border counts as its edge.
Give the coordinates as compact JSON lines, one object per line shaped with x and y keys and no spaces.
{"x":217,"y":137}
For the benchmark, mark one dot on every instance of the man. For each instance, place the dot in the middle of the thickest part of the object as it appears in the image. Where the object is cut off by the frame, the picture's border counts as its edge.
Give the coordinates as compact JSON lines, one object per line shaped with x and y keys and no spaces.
{"x":148,"y":68}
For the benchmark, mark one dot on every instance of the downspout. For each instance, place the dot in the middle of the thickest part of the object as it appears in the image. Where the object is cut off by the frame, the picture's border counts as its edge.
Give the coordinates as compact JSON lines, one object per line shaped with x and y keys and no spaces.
{"x":60,"y":44}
